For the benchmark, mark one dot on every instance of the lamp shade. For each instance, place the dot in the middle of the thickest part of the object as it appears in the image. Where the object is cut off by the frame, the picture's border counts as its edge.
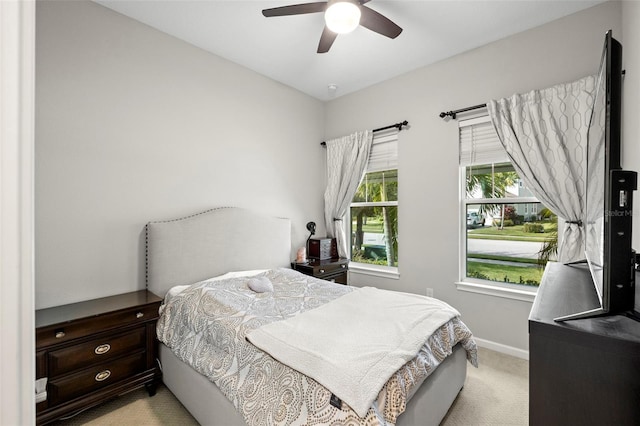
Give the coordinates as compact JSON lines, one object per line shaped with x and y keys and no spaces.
{"x":342,"y":17}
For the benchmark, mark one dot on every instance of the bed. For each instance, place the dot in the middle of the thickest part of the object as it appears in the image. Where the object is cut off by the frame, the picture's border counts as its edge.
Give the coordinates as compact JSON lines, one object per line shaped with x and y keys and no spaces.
{"x":209,"y":257}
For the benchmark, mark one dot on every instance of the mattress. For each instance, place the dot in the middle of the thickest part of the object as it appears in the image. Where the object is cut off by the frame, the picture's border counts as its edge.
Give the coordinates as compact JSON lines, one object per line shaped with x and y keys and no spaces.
{"x":205,"y":325}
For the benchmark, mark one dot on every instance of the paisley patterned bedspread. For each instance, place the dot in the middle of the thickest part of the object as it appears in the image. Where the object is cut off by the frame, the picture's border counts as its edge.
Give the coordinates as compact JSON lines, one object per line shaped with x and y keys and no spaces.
{"x":206,"y":325}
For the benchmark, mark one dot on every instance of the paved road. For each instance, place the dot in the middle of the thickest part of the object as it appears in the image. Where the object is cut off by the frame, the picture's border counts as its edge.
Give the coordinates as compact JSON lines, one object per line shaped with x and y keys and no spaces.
{"x":524,"y":249}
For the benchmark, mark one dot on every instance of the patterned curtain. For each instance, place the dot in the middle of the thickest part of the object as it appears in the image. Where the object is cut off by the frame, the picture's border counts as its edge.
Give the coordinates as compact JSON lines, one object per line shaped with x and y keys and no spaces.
{"x":346,"y":162}
{"x":545,"y":135}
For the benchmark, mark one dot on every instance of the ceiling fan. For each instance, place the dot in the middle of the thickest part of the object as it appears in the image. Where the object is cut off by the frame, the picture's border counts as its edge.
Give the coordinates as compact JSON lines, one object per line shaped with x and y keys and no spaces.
{"x":341,"y":17}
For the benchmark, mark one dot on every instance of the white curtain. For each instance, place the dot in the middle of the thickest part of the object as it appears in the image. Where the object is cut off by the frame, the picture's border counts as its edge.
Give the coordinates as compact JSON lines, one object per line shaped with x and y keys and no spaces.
{"x":346,"y":163}
{"x":545,"y":135}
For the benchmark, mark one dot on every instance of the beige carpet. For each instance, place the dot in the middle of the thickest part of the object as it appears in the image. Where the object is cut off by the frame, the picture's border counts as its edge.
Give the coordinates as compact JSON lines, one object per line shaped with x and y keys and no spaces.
{"x":496,"y":393}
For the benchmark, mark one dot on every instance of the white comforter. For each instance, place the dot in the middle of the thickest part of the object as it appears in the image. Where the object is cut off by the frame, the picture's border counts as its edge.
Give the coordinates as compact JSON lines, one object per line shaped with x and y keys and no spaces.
{"x":354,"y":344}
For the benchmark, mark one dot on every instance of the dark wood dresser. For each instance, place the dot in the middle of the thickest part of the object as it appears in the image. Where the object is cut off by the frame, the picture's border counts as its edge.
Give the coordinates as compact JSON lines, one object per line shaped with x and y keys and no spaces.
{"x":335,"y":270}
{"x":581,"y":372}
{"x":95,"y":350}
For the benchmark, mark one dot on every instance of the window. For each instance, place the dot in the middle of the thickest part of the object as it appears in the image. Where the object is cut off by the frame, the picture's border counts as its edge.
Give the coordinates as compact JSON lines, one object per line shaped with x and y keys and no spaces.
{"x":508,"y":234}
{"x":374,"y":208}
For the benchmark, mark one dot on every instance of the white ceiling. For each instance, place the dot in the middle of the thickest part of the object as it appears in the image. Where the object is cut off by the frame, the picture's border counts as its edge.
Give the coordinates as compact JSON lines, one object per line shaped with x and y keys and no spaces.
{"x":284,"y":48}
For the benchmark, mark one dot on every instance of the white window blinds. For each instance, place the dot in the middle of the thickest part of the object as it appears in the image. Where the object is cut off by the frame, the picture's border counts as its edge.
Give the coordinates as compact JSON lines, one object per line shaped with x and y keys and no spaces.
{"x":384,"y":151}
{"x":479,"y":143}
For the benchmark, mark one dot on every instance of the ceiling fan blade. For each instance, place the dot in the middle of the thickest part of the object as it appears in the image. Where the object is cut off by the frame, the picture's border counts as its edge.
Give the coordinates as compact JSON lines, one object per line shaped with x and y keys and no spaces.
{"x":296,"y":9}
{"x":326,"y":40}
{"x":378,"y":23}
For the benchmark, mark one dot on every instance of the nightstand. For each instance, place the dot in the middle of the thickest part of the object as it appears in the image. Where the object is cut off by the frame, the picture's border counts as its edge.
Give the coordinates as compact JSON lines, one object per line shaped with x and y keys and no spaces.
{"x":334,"y":270}
{"x":95,"y":350}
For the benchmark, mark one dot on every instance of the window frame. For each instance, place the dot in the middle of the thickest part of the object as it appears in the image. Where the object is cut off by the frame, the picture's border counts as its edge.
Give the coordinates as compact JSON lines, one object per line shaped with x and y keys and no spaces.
{"x":477,"y":285}
{"x":368,"y":268}
{"x":382,"y":271}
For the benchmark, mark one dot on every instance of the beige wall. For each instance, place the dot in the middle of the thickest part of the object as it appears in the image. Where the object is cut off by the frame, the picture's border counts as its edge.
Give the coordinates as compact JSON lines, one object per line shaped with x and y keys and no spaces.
{"x":631,"y":107}
{"x":561,"y":51}
{"x":133,"y":125}
{"x":631,"y":100}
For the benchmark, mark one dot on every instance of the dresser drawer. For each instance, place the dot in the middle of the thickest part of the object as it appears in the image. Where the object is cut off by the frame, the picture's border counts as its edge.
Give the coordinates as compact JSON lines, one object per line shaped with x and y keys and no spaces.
{"x":338,"y":277}
{"x":94,"y":378}
{"x":60,"y":333}
{"x":325,"y":270}
{"x":95,"y":351}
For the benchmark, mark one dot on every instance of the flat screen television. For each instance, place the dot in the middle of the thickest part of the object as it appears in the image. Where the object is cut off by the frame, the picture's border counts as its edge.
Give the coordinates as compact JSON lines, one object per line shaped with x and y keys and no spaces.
{"x":609,"y":195}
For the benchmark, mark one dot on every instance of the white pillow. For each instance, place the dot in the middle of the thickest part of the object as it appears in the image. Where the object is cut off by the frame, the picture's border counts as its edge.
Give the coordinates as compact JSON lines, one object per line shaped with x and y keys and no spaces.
{"x":260,"y":284}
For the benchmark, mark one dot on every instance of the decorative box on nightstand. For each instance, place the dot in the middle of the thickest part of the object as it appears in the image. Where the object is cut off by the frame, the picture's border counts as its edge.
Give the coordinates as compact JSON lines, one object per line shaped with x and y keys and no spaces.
{"x":327,"y":269}
{"x":323,"y":248}
{"x":95,"y":350}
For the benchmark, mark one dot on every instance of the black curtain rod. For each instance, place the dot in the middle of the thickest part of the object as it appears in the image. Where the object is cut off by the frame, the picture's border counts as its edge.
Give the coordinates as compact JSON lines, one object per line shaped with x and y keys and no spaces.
{"x":453,"y":114}
{"x":397,"y":126}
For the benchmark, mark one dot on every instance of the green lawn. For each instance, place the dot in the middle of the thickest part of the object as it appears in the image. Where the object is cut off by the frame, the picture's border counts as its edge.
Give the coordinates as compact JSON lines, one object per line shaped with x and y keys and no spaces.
{"x":513,"y":233}
{"x":505,"y":258}
{"x":498,"y":272}
{"x":526,"y":275}
{"x":372,"y":226}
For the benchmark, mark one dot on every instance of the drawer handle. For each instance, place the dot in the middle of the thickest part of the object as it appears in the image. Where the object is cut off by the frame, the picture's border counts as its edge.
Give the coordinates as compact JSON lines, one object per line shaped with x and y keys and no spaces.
{"x":102,"y":349}
{"x":322,"y":271}
{"x":139,"y":315}
{"x":60,"y":334}
{"x":103,"y":375}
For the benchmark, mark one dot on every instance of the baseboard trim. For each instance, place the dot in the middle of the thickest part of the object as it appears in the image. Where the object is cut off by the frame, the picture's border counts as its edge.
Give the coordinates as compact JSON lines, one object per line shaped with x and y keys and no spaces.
{"x":505,"y":349}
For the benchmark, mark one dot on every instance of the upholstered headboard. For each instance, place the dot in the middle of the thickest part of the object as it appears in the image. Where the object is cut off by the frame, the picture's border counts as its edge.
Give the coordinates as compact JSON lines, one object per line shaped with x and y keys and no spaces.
{"x":204,"y":245}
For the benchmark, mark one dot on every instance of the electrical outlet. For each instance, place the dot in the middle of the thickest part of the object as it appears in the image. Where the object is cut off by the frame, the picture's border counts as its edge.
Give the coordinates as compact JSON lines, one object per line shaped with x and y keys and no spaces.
{"x":429,"y":292}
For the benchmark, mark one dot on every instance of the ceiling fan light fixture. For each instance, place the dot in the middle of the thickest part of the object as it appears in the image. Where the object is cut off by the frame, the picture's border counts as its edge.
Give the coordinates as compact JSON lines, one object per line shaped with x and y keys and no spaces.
{"x":342,"y":17}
